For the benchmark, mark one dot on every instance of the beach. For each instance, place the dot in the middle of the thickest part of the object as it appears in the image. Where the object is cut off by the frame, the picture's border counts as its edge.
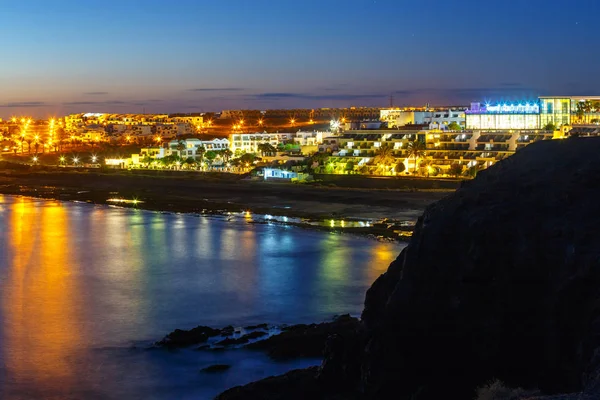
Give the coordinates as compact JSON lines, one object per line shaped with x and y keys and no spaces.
{"x":220,"y":193}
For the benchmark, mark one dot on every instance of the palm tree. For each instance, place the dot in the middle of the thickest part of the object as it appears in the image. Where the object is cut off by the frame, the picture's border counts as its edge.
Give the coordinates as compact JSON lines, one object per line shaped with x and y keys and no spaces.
{"x":416,"y":149}
{"x":180,"y":147}
{"x":266,"y":148}
{"x":384,"y":156}
{"x":200,"y":151}
{"x":190,"y":162}
{"x":147,"y":160}
{"x":227,"y":154}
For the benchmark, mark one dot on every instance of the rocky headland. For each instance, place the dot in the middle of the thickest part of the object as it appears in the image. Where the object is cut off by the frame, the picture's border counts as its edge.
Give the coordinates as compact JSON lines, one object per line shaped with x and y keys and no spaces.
{"x":497,"y":296}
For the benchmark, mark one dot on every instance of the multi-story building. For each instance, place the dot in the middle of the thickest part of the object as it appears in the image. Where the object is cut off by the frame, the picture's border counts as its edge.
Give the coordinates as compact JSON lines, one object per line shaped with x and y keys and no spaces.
{"x":503,"y":116}
{"x":556,"y":110}
{"x":442,"y":148}
{"x":191,"y":147}
{"x":248,"y":142}
{"x":433,"y":118}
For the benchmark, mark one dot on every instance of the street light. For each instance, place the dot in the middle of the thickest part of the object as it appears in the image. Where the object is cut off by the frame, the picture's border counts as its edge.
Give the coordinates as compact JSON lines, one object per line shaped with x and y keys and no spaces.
{"x":94,"y":158}
{"x":75,"y":160}
{"x":35,"y":159}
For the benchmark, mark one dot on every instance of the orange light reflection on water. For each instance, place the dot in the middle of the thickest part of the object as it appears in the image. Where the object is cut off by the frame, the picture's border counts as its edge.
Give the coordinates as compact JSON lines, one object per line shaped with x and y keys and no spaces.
{"x":40,"y":295}
{"x":381,"y":257}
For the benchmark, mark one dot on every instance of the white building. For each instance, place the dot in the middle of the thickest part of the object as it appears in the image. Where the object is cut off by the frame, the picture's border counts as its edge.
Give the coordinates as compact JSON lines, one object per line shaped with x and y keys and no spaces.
{"x":191,"y":147}
{"x":248,"y":142}
{"x":396,"y":118}
{"x":435,"y":119}
{"x":310,"y":138}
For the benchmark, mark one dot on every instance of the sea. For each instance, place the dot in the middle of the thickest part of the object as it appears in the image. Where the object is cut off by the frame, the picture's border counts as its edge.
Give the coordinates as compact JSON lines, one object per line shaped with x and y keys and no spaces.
{"x":86,"y":290}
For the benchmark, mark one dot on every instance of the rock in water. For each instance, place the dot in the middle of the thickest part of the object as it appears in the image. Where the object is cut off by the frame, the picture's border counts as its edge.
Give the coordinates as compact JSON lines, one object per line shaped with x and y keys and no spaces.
{"x":184,"y":338}
{"x":306,"y":340}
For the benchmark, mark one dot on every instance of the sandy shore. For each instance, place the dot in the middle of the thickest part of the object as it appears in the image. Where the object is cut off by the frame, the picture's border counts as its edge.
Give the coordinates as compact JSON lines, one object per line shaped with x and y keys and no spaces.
{"x":213,"y":194}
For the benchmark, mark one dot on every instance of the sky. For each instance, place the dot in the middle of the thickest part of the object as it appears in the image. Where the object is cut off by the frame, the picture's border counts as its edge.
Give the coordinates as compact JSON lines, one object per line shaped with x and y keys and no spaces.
{"x":154,"y":56}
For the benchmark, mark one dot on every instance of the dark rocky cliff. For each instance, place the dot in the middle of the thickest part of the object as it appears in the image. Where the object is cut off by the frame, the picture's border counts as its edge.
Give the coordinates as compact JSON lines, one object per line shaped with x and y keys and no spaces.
{"x":501,"y":280}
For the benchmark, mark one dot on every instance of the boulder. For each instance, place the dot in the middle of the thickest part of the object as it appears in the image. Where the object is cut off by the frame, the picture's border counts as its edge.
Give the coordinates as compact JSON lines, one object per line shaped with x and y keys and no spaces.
{"x":306,"y":340}
{"x":184,"y":338}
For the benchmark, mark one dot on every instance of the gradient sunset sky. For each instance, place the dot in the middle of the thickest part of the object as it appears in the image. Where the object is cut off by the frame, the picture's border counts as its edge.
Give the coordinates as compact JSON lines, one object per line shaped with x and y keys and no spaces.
{"x":64,"y":56}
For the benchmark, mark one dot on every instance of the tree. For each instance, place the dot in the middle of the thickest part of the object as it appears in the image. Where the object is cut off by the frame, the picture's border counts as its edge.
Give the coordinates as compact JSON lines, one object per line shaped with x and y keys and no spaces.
{"x":384,"y":156}
{"x":550,"y":127}
{"x":416,"y":149}
{"x":247,"y":158}
{"x":147,"y":160}
{"x":349,"y":166}
{"x":454,"y":126}
{"x":190,"y":162}
{"x":200,"y":151}
{"x":227,"y":154}
{"x":317,"y":160}
{"x":210,"y":155}
{"x":266,"y":148}
{"x":455,"y":170}
{"x":170,"y":160}
{"x":400,"y":167}
{"x":180,"y":146}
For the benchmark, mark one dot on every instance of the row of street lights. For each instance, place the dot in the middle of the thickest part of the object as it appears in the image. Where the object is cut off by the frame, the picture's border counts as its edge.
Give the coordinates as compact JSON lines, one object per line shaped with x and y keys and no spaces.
{"x":63,"y":159}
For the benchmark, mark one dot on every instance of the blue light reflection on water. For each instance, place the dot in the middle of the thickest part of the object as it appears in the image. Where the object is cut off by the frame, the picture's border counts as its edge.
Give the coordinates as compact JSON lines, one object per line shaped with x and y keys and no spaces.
{"x":84,"y":289}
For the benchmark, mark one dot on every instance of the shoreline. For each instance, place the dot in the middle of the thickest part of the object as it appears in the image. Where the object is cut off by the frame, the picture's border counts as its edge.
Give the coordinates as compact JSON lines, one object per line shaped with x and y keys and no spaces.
{"x":384,"y":214}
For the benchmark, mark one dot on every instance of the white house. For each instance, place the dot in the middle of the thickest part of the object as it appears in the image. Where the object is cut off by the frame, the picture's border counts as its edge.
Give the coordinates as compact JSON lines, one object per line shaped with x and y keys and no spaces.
{"x":191,"y":147}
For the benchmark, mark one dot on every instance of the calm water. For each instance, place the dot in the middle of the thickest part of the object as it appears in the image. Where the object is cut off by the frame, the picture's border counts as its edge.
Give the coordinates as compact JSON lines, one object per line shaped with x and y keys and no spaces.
{"x":85,"y":289}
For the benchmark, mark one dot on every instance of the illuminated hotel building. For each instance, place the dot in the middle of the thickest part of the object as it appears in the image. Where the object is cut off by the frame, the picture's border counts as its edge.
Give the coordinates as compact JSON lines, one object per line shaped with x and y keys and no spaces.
{"x":557,"y":110}
{"x":503,"y":116}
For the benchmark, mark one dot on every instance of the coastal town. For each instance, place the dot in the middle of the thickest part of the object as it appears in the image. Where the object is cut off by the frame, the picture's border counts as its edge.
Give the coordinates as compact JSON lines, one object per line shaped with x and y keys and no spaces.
{"x":296,"y":145}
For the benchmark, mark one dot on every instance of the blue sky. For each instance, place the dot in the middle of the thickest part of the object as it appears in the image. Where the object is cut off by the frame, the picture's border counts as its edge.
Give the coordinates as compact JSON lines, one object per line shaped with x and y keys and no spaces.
{"x":60,"y":56}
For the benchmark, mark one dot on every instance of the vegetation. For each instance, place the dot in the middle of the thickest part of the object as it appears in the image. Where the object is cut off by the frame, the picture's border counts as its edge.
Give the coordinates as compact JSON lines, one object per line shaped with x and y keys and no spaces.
{"x":210,"y":155}
{"x":384,"y":157}
{"x":455,"y":170}
{"x":400,"y":168}
{"x":416,"y":149}
{"x":549,"y":127}
{"x":267,"y":149}
{"x":349,"y":166}
{"x":453,"y":126}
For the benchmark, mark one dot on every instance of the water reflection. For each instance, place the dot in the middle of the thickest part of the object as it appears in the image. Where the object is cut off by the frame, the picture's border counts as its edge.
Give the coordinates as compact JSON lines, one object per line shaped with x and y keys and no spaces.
{"x":40,"y":298}
{"x":80,"y":284}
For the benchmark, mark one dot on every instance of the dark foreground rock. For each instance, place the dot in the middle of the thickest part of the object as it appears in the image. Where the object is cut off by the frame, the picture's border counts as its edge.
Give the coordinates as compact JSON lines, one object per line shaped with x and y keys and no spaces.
{"x":500,"y":281}
{"x":306,"y":340}
{"x":299,"y":384}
